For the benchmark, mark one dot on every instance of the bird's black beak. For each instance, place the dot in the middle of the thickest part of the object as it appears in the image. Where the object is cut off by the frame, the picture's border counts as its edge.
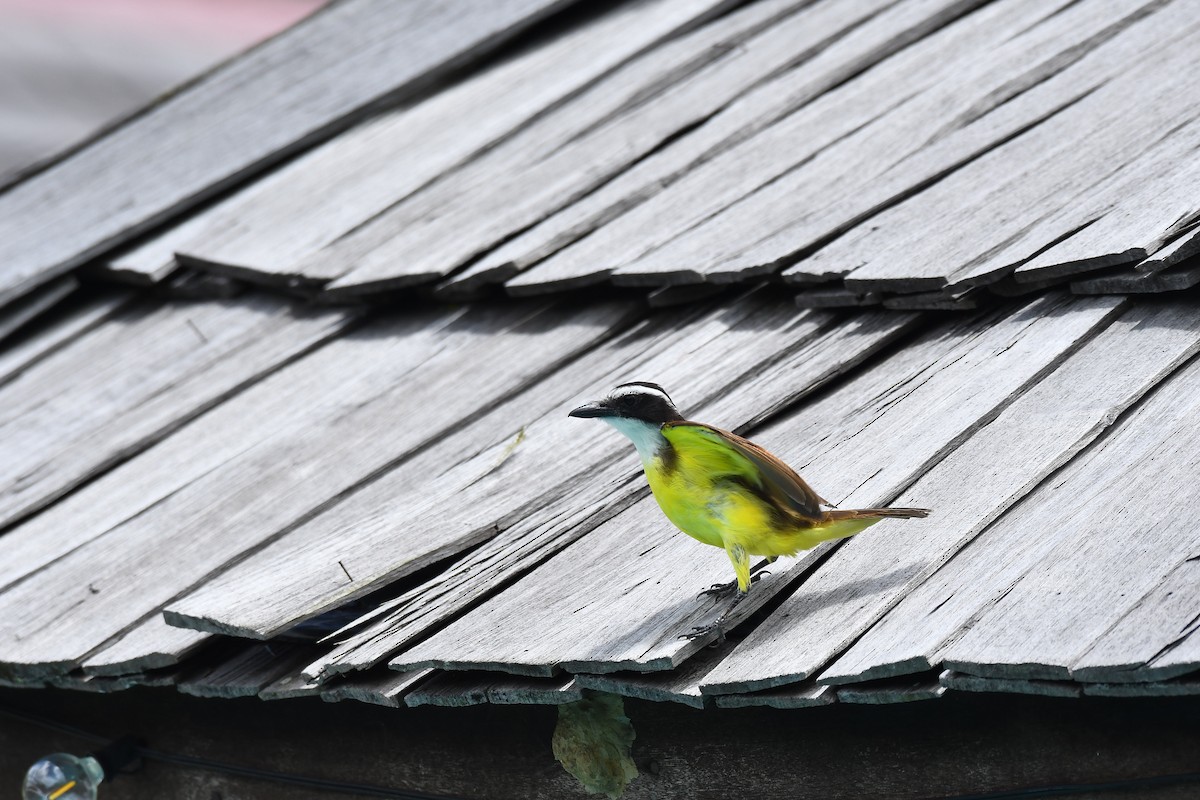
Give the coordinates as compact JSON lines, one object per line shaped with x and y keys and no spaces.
{"x":592,"y":410}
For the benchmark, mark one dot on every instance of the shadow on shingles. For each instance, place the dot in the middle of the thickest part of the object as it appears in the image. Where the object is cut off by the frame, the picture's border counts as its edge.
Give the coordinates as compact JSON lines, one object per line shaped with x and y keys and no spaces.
{"x":865,"y":587}
{"x":673,"y":620}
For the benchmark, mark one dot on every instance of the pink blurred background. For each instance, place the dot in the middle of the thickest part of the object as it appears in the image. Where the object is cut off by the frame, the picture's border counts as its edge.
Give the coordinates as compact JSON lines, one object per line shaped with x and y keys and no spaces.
{"x":67,"y":67}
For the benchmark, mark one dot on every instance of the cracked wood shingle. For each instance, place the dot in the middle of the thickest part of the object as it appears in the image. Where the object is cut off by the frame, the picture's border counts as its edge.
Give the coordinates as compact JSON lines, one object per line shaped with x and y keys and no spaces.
{"x":268,"y":231}
{"x":459,"y":689}
{"x":342,"y":374}
{"x":1156,"y":640}
{"x":1185,"y":275}
{"x":212,"y":521}
{"x":619,"y":598}
{"x":678,"y":685}
{"x":704,"y":171}
{"x":888,"y":116}
{"x":289,"y":92}
{"x":1025,"y":179}
{"x":900,"y":125}
{"x":961,"y":682}
{"x":1127,"y":217}
{"x":152,"y":644}
{"x":1054,"y":594}
{"x":1119,"y":512}
{"x":240,"y":669}
{"x":545,"y":168}
{"x":968,"y":490}
{"x":382,"y":688}
{"x":126,"y":384}
{"x":799,"y":696}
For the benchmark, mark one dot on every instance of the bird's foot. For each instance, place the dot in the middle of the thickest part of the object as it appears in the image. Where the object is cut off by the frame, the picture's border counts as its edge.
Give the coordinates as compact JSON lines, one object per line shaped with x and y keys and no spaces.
{"x":718,"y":625}
{"x":719,"y":591}
{"x":702,"y":632}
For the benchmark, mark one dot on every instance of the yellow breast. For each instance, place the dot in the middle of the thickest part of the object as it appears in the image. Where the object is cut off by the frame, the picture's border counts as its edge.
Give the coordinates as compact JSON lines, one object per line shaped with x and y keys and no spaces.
{"x":713,"y":512}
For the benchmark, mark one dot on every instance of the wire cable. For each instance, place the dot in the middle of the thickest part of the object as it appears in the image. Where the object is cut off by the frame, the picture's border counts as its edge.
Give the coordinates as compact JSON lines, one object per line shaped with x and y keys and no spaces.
{"x":365,"y":790}
{"x":149,"y":753}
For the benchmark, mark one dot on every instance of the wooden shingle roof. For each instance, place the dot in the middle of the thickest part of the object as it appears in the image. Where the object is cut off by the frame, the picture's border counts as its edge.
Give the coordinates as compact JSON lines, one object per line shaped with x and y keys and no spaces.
{"x":285,"y":360}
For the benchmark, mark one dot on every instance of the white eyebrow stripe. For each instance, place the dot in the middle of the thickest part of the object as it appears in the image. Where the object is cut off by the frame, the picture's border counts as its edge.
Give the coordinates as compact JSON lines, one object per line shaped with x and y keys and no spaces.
{"x":622,"y":391}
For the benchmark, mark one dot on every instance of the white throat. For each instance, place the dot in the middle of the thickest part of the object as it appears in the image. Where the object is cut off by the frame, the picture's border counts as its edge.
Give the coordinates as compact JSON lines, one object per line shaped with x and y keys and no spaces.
{"x":646,"y":436}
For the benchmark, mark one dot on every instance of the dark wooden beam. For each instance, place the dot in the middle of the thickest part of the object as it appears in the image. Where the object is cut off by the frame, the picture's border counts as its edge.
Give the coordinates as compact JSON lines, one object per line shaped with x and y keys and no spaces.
{"x":957,"y":745}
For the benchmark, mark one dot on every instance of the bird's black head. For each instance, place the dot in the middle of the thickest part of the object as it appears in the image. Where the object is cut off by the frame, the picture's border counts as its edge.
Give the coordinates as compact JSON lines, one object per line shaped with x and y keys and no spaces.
{"x":638,"y":400}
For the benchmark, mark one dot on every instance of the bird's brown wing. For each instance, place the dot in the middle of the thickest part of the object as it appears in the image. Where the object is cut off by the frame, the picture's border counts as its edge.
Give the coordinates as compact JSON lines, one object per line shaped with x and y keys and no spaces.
{"x":775,"y":478}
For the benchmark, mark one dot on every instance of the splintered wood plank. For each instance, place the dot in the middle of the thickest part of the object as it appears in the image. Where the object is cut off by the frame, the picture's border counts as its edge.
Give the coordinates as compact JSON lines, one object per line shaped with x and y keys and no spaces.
{"x":1078,"y":400}
{"x":129,"y":383}
{"x":346,"y":372}
{"x":459,"y":689}
{"x":515,"y":690}
{"x":1127,"y":217}
{"x":1153,"y":629}
{"x":151,"y":645}
{"x":905,"y":690}
{"x":679,"y":685}
{"x":800,"y":696}
{"x":620,"y":598}
{"x":450,"y":689}
{"x":803,"y":350}
{"x":297,"y":88}
{"x":273,"y":225}
{"x":1079,"y":145}
{"x":150,"y":262}
{"x":968,"y":490}
{"x":1017,"y":162}
{"x":244,"y":671}
{"x":1172,"y":279}
{"x":523,"y":480}
{"x":918,"y":116}
{"x":515,"y":186}
{"x":212,"y":521}
{"x":827,"y":43}
{"x":1183,"y":248}
{"x":383,"y":688}
{"x":289,"y":687}
{"x":1087,"y":578}
{"x":961,"y":682}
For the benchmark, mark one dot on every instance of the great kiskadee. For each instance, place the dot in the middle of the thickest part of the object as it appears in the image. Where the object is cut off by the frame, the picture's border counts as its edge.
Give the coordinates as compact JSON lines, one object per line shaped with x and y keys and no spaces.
{"x":724,"y":490}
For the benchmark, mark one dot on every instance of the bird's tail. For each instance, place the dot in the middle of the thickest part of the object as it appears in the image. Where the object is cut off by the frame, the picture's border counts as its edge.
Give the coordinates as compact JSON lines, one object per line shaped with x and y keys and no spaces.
{"x":840,"y":523}
{"x":877,"y":513}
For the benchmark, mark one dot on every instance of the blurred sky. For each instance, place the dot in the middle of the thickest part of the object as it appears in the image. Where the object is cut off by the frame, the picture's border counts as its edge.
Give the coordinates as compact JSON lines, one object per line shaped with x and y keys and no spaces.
{"x":69,"y":66}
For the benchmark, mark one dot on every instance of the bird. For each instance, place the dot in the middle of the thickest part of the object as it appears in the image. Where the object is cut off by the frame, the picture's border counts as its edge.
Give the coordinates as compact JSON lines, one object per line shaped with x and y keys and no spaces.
{"x":726,"y":491}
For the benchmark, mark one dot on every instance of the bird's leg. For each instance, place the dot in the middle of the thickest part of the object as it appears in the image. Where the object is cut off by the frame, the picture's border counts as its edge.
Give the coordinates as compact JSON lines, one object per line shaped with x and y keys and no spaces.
{"x":717,"y":625}
{"x":719,"y":591}
{"x":741,"y":567}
